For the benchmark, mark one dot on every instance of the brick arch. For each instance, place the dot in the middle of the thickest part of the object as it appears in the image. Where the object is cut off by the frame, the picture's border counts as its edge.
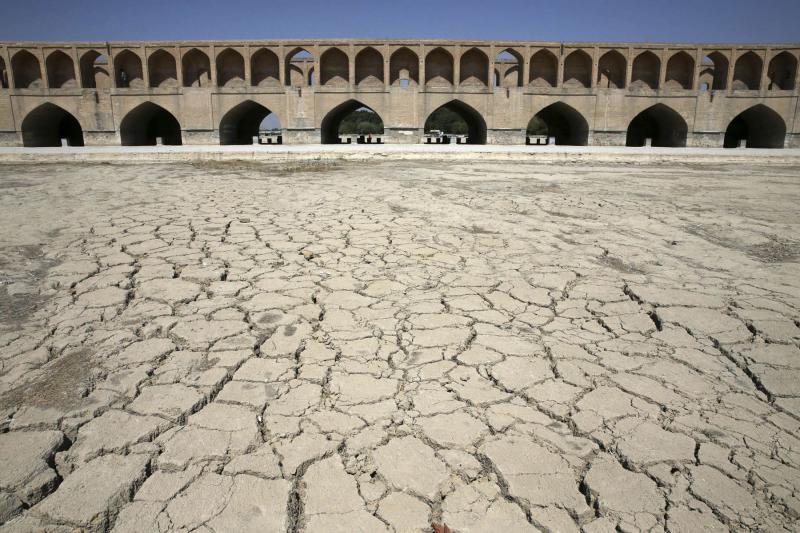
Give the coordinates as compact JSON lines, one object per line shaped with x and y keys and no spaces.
{"x":143,"y":124}
{"x":660,"y":123}
{"x":404,"y":65}
{"x":264,"y":68}
{"x":474,"y":68}
{"x":781,"y":72}
{"x":162,"y":69}
{"x":476,"y":124}
{"x":94,"y":69}
{"x":369,"y":67}
{"x":680,"y":71}
{"x":60,"y":71}
{"x":758,"y":126}
{"x":47,"y":124}
{"x":544,"y":69}
{"x":439,"y":68}
{"x":747,"y":72}
{"x":128,"y":70}
{"x":230,"y":68}
{"x":578,"y":69}
{"x":646,"y":71}
{"x":329,"y":127}
{"x":612,"y":70}
{"x":196,"y":68}
{"x":27,"y":70}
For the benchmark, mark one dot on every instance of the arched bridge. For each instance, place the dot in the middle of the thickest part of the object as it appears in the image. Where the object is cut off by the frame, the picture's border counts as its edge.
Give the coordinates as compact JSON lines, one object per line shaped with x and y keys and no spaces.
{"x":218,"y":92}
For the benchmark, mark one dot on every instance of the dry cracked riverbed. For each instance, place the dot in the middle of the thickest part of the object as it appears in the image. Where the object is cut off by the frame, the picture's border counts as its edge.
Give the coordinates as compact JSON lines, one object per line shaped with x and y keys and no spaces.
{"x":232,"y":347}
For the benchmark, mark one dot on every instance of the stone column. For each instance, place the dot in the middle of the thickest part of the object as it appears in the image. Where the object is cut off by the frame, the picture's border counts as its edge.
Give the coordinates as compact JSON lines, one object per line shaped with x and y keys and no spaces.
{"x":10,"y":75}
{"x":731,"y":68}
{"x":146,"y":67}
{"x":595,"y":66}
{"x":317,"y":71}
{"x":629,"y":67}
{"x":248,"y":77}
{"x":76,"y":66}
{"x":213,"y":65}
{"x":281,"y":65}
{"x":698,"y":65}
{"x":490,"y":77}
{"x":662,"y":75}
{"x":351,"y":65}
{"x":386,"y":73}
{"x":456,"y":66}
{"x":526,"y":66}
{"x":421,"y":55}
{"x":560,"y":70}
{"x":764,"y":83}
{"x":179,"y":66}
{"x":43,"y":69}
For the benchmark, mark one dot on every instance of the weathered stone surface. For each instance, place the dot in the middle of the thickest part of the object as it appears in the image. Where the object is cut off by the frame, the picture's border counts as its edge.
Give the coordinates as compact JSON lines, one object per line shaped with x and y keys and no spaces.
{"x":92,"y":495}
{"x":113,"y":432}
{"x":169,"y":290}
{"x":26,"y":476}
{"x":172,"y":402}
{"x":617,"y":491}
{"x":410,"y":465}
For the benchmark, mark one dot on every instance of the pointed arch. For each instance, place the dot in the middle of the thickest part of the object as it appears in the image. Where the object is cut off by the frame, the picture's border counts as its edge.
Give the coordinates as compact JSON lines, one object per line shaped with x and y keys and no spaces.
{"x":94,"y":70}
{"x":334,"y":68}
{"x":474,"y":68}
{"x":162,"y":69}
{"x":661,"y":124}
{"x":758,"y":127}
{"x":369,"y":68}
{"x":128,"y":69}
{"x":196,"y":68}
{"x":611,"y":70}
{"x":48,"y":124}
{"x":544,"y":69}
{"x":646,"y":71}
{"x":403,"y":65}
{"x":577,"y":70}
{"x":3,"y":75}
{"x":782,"y":71}
{"x":60,"y":71}
{"x":329,"y":128}
{"x":27,"y":71}
{"x":747,"y":72}
{"x":680,"y":71}
{"x":714,"y":72}
{"x":299,"y":65}
{"x":147,"y":122}
{"x":476,"y":125}
{"x":241,"y":123}
{"x":230,"y":69}
{"x":264,"y":68}
{"x":565,"y":123}
{"x":439,"y":68}
{"x":510,"y":62}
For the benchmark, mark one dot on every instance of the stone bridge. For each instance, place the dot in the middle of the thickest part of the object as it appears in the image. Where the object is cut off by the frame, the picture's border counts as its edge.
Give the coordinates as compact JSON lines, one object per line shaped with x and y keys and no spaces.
{"x":218,"y":92}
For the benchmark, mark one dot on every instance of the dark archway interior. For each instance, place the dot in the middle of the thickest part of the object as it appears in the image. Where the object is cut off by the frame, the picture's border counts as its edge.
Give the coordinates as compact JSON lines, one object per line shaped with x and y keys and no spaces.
{"x":242,"y":123}
{"x":332,"y":122}
{"x":144,"y":124}
{"x":663,"y":125}
{"x":48,"y":124}
{"x":562,"y":122}
{"x":758,"y":127}
{"x":475,"y":125}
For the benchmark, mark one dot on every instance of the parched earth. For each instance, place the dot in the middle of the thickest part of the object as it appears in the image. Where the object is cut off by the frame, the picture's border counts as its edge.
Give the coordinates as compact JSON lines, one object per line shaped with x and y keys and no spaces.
{"x":341,"y":347}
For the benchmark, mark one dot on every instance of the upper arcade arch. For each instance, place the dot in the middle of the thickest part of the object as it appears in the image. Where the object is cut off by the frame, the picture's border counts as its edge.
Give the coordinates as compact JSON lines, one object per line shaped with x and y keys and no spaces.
{"x":48,"y":124}
{"x":439,"y":68}
{"x":577,"y":70}
{"x":781,"y":72}
{"x":128,"y":70}
{"x":230,"y":69}
{"x":646,"y":71}
{"x":265,"y":68}
{"x":680,"y":71}
{"x":508,"y":68}
{"x":3,"y":74}
{"x":162,"y":69}
{"x":758,"y":127}
{"x":660,"y":124}
{"x":544,"y":69}
{"x":27,"y":70}
{"x":94,"y":71}
{"x":196,"y":69}
{"x":334,"y":66}
{"x":404,"y":67}
{"x":747,"y":72}
{"x":369,"y":68}
{"x":714,"y":72}
{"x":148,"y":122}
{"x":611,"y":70}
{"x":474,"y":68}
{"x":299,"y":67}
{"x":60,"y":71}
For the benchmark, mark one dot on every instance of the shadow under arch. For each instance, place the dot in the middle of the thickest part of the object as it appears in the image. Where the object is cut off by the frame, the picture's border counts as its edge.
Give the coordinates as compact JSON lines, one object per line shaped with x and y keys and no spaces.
{"x":145,"y":123}
{"x":48,"y":124}
{"x":242,"y":123}
{"x":759,"y":126}
{"x":563,"y":122}
{"x":476,"y":125}
{"x":661,"y":124}
{"x":329,"y":129}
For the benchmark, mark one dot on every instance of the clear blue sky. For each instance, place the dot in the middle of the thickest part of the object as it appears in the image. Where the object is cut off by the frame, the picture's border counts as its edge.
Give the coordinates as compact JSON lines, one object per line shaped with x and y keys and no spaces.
{"x":558,"y":20}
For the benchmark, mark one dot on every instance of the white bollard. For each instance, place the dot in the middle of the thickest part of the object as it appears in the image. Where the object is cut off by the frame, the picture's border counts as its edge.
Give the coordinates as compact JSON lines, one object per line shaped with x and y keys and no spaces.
{"x":159,"y":141}
{"x":648,"y":142}
{"x":64,"y":142}
{"x":551,"y":140}
{"x":256,"y":140}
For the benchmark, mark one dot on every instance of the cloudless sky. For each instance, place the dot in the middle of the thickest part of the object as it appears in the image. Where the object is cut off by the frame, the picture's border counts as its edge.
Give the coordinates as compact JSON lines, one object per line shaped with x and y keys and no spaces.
{"x":554,"y":20}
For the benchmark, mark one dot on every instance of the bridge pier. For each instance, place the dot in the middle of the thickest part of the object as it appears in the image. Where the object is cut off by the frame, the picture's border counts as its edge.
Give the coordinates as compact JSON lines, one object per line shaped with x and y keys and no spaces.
{"x":505,"y":136}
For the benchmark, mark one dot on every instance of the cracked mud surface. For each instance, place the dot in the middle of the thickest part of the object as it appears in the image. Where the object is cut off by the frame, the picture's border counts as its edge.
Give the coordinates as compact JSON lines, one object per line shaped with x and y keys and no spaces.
{"x":376,"y":347}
